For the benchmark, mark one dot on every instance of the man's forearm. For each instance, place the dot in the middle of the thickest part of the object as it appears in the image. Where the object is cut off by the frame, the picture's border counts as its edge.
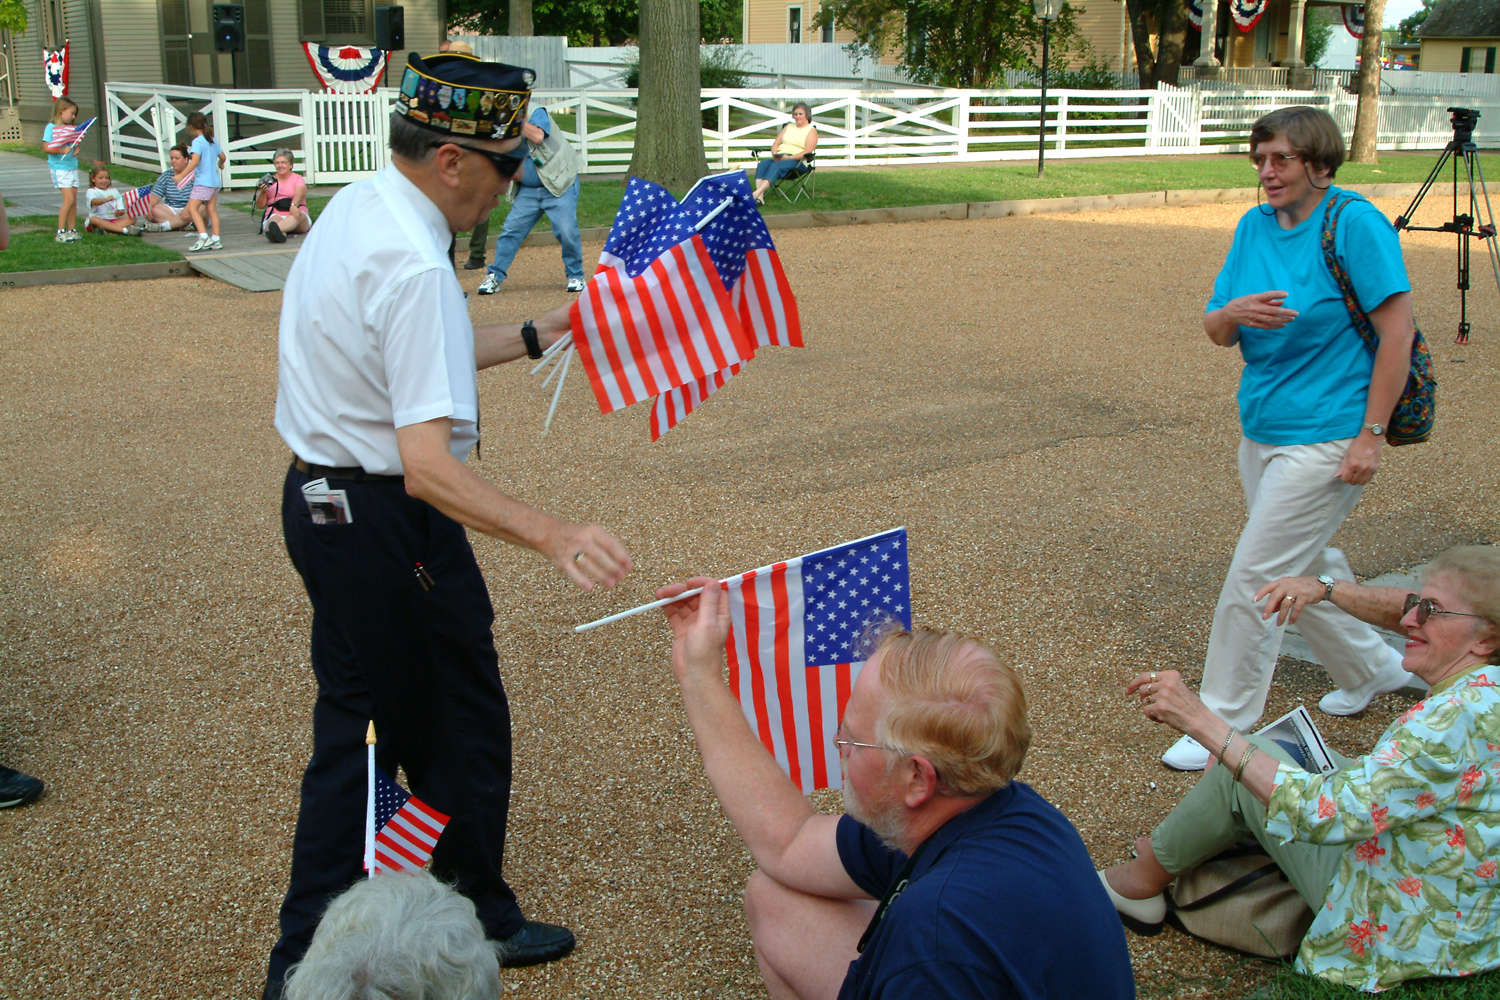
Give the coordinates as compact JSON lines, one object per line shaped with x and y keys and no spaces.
{"x":495,"y":345}
{"x":459,"y":492}
{"x":760,"y":801}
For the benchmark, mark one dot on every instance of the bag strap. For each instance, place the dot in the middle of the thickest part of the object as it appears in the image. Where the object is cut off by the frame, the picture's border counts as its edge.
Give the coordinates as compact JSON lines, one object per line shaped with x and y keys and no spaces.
{"x":1341,"y":276}
{"x":1243,"y":882}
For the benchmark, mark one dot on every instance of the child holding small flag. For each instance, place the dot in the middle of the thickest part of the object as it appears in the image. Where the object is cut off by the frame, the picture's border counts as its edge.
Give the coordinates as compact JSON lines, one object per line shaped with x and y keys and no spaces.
{"x":107,"y":209}
{"x":64,"y":165}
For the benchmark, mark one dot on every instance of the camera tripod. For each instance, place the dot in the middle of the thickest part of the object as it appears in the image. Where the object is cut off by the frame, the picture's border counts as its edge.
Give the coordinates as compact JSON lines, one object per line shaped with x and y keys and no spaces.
{"x":1464,"y":120}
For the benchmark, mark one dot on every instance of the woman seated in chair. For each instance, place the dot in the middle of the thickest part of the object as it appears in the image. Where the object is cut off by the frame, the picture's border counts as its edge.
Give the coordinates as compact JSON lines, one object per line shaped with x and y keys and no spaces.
{"x":1395,"y":852}
{"x":793,"y":144}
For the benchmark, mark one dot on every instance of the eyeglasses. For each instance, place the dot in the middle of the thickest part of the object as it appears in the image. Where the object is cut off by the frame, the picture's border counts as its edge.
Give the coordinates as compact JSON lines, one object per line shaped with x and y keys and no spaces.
{"x":506,"y":163}
{"x":1279,"y":161}
{"x":1426,"y":610}
{"x":840,"y":742}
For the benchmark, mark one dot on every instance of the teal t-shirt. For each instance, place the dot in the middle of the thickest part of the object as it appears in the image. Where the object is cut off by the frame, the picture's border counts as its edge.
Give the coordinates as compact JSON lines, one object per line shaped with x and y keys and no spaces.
{"x":58,"y":161}
{"x":207,"y":173}
{"x":1307,"y":382}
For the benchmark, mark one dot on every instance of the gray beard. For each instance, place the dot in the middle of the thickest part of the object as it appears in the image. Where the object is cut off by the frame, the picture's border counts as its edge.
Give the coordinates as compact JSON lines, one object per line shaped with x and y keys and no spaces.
{"x":885,"y":822}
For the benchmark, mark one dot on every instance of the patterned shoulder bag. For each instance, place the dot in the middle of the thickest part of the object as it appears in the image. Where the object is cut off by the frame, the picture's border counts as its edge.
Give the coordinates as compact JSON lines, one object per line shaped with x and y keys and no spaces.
{"x":1412,"y":419}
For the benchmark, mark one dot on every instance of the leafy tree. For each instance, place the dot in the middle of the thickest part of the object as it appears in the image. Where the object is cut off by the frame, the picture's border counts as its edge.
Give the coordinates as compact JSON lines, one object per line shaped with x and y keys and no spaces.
{"x":1317,"y":32}
{"x":1406,"y":30}
{"x":954,"y":43}
{"x":668,"y":128}
{"x":1367,"y":113}
{"x":12,"y":16}
{"x":582,"y":22}
{"x":1167,"y":21}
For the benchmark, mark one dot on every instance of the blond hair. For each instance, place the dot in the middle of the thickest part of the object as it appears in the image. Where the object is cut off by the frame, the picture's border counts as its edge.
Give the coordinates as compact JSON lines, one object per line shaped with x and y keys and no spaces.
{"x":62,"y":105}
{"x":951,"y":700}
{"x":1476,"y":569}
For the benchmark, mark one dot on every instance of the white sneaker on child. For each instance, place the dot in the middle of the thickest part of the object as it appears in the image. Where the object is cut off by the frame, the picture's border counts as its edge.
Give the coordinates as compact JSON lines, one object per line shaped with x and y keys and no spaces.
{"x":200,"y":244}
{"x":214,"y":244}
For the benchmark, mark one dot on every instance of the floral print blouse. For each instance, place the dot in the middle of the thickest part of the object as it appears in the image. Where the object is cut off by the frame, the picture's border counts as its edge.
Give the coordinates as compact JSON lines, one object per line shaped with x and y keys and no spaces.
{"x":1416,"y":892}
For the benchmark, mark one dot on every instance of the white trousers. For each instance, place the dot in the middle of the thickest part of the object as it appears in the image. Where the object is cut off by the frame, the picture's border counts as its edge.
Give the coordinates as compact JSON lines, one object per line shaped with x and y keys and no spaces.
{"x":1296,"y":504}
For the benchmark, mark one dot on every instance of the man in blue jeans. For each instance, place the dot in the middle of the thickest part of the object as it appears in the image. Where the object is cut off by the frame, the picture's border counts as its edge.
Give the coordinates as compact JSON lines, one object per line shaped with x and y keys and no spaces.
{"x":554,"y":190}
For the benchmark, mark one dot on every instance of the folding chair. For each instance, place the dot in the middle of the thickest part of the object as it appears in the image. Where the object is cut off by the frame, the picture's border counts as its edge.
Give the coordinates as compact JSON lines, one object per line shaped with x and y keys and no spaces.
{"x":803,"y":183}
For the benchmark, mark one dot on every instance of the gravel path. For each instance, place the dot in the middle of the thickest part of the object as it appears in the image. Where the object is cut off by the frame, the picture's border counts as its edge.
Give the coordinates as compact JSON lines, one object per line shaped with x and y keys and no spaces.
{"x":1032,"y":397}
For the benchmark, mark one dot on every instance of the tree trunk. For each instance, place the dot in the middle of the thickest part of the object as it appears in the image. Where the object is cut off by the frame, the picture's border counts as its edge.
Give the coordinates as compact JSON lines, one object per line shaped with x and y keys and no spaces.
{"x":520,"y":18}
{"x":669,"y":127}
{"x":1140,"y":35}
{"x":1174,"y":29}
{"x":1367,"y":116}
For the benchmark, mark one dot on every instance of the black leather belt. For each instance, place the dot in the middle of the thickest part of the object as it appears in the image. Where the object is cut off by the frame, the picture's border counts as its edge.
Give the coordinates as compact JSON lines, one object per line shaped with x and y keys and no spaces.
{"x":353,"y":472}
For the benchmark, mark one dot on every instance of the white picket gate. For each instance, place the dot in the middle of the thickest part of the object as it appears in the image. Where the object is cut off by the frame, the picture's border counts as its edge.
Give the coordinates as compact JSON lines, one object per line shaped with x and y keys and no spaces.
{"x":338,"y":138}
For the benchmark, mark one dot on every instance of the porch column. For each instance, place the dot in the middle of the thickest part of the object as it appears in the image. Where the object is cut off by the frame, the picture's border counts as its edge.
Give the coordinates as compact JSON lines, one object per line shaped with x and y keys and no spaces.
{"x":1210,"y":35}
{"x":1294,"y":35}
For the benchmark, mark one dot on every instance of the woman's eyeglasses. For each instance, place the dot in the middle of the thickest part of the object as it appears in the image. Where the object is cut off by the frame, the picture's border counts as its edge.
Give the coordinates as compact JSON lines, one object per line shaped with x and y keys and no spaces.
{"x":1426,"y":610}
{"x":1279,"y":161}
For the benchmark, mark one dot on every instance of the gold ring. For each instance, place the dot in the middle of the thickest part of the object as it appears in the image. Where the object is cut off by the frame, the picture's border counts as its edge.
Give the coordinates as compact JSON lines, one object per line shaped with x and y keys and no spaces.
{"x":1153,"y":677}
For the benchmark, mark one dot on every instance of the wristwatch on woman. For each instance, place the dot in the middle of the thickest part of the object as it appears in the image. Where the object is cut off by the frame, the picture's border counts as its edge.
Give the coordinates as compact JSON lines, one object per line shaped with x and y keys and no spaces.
{"x":1377,"y":429}
{"x":1327,"y":582}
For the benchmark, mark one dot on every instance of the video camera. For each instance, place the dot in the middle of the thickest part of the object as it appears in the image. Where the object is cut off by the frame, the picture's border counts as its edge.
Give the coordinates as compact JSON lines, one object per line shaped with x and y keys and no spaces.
{"x":1464,"y":120}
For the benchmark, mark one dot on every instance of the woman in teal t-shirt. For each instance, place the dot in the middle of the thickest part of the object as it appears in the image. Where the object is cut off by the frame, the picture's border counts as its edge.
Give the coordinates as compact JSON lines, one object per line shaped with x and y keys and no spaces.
{"x":1314,"y":402}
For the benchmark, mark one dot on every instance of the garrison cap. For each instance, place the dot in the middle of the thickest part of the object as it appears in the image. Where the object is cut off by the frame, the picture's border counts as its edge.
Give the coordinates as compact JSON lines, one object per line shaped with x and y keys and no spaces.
{"x":458,"y":94}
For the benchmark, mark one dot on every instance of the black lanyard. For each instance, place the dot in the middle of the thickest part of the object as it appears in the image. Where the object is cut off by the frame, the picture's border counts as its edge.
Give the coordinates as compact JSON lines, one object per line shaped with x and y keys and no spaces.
{"x":897,"y":887}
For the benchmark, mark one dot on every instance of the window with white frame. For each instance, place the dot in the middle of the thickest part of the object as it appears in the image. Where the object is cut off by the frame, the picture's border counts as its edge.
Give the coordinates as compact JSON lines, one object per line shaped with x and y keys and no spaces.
{"x":794,"y":24}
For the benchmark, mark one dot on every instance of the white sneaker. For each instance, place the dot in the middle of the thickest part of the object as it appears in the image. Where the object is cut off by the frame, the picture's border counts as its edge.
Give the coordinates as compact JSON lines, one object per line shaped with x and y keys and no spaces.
{"x":575,"y":284}
{"x":1144,"y":916}
{"x":72,"y":236}
{"x":490,"y":285}
{"x":214,"y":244}
{"x":62,"y":236}
{"x":157,"y":227}
{"x":200,"y":244}
{"x":1352,"y":701}
{"x":1187,"y":754}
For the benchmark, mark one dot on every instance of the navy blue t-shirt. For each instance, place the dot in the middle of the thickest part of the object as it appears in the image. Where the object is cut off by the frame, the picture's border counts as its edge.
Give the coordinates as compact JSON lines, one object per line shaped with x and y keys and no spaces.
{"x":1003,"y":902}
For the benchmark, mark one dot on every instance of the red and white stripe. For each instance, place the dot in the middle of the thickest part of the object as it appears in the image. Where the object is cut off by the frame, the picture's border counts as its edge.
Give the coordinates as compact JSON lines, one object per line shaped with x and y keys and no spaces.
{"x":138,"y":202}
{"x":671,"y":325}
{"x":794,"y":709}
{"x":764,"y":301}
{"x":406,"y":841}
{"x":672,"y":406}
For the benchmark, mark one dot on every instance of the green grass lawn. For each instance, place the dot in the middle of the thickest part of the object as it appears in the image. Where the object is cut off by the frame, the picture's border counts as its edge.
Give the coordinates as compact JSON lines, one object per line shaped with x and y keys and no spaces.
{"x":38,"y":250}
{"x":1288,"y":985}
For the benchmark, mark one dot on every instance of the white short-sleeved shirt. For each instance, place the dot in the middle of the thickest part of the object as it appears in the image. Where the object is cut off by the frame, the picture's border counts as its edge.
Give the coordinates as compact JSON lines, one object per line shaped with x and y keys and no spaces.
{"x":375,"y":333}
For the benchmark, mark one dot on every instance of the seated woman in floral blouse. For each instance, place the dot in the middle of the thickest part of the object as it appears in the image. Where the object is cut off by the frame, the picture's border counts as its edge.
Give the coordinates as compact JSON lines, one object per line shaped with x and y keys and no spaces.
{"x":1397,"y":852}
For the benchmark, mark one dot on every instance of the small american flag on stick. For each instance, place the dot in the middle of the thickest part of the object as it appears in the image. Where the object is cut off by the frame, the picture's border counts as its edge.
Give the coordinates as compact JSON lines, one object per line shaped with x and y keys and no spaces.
{"x":65,"y":137}
{"x":138,"y":202}
{"x":407,"y":828}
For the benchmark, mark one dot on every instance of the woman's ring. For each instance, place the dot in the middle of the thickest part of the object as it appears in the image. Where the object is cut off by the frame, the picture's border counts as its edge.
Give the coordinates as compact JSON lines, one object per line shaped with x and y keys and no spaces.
{"x":1153,"y":677}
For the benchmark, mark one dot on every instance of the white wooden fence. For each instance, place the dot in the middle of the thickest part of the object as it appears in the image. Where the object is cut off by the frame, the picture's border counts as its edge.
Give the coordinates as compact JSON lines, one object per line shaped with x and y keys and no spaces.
{"x":339,"y":138}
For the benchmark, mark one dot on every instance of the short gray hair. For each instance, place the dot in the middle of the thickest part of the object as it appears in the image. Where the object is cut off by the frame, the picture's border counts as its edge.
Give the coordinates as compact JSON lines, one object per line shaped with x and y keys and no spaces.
{"x":410,"y":142}
{"x":1476,"y":570}
{"x":402,"y":936}
{"x":283,"y":151}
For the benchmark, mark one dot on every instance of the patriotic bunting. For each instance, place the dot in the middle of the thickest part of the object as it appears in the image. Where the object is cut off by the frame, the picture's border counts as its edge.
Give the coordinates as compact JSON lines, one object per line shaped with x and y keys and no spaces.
{"x":1195,"y":13}
{"x":408,"y":828}
{"x":1354,"y":21}
{"x":655,"y":315}
{"x":1246,"y":12}
{"x":346,"y":69}
{"x":55,"y":70}
{"x":796,"y":645}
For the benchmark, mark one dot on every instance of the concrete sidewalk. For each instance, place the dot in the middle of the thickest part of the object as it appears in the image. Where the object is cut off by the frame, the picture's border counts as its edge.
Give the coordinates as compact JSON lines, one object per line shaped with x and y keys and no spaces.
{"x":25,"y":180}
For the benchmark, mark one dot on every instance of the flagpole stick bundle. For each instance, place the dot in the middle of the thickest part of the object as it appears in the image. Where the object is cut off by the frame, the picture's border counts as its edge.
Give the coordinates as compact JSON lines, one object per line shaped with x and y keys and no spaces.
{"x":370,"y":802}
{"x":557,"y":393}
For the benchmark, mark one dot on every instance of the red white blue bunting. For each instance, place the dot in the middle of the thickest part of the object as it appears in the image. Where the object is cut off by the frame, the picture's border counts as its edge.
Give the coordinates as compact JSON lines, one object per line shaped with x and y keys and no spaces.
{"x":346,"y":69}
{"x":1195,"y":13}
{"x":1354,"y":21}
{"x":55,"y":69}
{"x":1245,"y":12}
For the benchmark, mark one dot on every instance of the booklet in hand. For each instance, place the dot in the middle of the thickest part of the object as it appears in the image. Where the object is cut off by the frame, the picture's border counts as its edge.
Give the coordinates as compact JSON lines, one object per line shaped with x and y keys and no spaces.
{"x":1295,"y":733}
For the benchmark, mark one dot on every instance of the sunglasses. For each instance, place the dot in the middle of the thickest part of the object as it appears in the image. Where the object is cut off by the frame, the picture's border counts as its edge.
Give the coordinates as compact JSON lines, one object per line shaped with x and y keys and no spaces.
{"x":506,"y":163}
{"x":1426,"y":610}
{"x":1279,"y":161}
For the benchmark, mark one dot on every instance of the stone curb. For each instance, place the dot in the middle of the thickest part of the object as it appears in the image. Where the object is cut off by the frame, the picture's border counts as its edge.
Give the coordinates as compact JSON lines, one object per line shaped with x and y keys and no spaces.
{"x":86,"y":275}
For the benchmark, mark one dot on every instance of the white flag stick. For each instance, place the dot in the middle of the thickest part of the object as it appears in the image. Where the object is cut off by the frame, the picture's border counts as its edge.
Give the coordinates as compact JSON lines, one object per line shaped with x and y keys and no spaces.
{"x":556,"y":393}
{"x":566,"y":357}
{"x":714,"y":214}
{"x":370,"y":803}
{"x":549,"y":354}
{"x":644,"y":607}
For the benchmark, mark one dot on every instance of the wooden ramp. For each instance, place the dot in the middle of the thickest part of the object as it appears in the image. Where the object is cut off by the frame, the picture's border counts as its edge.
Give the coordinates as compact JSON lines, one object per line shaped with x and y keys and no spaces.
{"x":255,"y":271}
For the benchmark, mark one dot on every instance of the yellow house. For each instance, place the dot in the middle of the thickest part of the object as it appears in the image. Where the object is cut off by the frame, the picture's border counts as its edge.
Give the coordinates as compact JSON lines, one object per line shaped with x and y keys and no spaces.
{"x":1461,"y":36}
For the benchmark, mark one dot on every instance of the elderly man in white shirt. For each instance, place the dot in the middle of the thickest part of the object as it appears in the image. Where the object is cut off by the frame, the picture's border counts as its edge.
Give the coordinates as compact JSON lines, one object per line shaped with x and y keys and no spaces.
{"x":378,"y":402}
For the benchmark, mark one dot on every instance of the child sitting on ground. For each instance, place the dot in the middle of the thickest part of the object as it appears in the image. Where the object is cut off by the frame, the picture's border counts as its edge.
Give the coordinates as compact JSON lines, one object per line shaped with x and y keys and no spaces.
{"x":107,"y":206}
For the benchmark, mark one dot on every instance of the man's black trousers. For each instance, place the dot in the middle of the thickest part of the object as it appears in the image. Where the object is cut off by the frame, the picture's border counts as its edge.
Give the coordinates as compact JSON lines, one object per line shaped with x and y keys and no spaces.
{"x":420,"y":662}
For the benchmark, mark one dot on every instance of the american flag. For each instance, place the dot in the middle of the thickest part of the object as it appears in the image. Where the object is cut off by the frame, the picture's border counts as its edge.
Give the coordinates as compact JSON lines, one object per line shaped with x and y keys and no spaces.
{"x":796,"y":645}
{"x":138,"y":201}
{"x":743,"y":253}
{"x":655,"y":315}
{"x":66,"y":136}
{"x":408,"y":828}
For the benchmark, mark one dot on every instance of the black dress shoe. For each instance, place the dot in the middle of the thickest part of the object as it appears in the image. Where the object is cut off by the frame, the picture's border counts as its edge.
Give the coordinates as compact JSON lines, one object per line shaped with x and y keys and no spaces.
{"x":473,"y":263}
{"x":17,"y":789}
{"x":534,"y":944}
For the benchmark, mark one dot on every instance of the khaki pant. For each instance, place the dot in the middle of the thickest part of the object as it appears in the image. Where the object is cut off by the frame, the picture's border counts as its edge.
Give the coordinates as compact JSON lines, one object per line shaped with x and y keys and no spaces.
{"x":1219,"y":812}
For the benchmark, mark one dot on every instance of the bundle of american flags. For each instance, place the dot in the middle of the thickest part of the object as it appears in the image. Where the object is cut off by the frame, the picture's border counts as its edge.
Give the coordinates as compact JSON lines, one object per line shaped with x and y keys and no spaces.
{"x":683,"y":296}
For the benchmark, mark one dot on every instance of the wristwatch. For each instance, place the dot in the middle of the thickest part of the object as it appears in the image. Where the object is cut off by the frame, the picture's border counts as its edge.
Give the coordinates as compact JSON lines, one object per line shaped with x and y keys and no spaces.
{"x":1327,"y":582}
{"x":1377,"y":429}
{"x":533,"y":345}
